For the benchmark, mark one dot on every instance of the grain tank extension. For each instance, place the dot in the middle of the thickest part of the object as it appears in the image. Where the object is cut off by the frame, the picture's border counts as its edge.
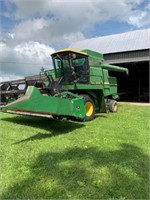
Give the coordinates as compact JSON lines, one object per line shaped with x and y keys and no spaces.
{"x":79,"y":86}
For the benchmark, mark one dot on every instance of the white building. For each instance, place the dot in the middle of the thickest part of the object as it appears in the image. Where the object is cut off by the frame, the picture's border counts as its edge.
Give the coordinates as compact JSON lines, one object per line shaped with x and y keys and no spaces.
{"x":131,"y":50}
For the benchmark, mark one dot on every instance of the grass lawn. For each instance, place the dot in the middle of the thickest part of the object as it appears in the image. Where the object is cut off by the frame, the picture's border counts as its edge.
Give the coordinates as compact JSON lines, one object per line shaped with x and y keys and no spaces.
{"x":106,"y":158}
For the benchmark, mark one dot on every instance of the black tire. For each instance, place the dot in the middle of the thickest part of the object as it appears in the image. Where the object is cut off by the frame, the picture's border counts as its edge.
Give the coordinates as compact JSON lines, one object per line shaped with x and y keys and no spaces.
{"x":89,"y":108}
{"x":113,"y":106}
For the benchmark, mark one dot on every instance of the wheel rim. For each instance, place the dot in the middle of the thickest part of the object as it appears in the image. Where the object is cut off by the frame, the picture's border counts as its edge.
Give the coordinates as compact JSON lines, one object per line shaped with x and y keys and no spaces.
{"x":89,"y":108}
{"x":115,"y":107}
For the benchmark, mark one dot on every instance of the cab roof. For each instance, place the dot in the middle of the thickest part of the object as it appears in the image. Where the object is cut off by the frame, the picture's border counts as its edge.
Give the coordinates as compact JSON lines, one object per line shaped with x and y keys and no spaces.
{"x":69,"y":50}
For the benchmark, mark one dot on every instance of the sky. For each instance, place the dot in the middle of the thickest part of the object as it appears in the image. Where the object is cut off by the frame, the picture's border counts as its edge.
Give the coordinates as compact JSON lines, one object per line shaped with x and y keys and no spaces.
{"x":31,"y":30}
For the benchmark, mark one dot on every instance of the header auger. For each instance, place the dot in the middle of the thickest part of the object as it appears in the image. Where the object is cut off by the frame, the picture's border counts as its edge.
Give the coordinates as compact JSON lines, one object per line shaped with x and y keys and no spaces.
{"x":79,"y":86}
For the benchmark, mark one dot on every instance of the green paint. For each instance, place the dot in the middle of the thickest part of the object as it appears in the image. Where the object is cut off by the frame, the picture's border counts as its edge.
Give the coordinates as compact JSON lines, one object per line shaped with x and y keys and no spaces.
{"x":35,"y":102}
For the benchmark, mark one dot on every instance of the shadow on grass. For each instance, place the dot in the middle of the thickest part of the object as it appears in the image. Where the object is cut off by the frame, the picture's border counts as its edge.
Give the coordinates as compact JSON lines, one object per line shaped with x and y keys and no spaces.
{"x":89,"y":173}
{"x":38,"y":136}
{"x":53,"y":127}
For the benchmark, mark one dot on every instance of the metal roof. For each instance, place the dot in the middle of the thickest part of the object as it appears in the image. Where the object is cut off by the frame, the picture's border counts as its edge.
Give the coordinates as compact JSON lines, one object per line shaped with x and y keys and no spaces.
{"x":128,"y":41}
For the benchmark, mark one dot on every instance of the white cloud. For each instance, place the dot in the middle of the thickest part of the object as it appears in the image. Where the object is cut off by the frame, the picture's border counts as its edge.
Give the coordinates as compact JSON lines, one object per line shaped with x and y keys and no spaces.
{"x":45,"y":31}
{"x":138,"y":19}
{"x":86,"y":11}
{"x":24,"y":59}
{"x":44,"y":23}
{"x":50,"y":21}
{"x":31,"y":28}
{"x":72,"y":37}
{"x":11,"y":35}
{"x":9,"y":77}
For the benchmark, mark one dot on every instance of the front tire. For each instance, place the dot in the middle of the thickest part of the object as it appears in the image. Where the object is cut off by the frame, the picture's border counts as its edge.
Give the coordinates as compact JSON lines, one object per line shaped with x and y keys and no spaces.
{"x":89,"y":108}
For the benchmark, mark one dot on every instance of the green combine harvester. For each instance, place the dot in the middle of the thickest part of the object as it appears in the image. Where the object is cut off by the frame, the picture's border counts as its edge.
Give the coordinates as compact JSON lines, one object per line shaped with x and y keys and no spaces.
{"x":78,"y":87}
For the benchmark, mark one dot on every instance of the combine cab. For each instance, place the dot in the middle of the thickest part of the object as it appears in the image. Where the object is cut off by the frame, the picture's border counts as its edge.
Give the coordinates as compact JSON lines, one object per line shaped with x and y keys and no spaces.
{"x":79,"y":86}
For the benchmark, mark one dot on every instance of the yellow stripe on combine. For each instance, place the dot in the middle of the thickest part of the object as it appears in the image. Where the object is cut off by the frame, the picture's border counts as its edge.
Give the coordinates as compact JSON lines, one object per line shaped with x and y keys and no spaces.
{"x":71,"y":50}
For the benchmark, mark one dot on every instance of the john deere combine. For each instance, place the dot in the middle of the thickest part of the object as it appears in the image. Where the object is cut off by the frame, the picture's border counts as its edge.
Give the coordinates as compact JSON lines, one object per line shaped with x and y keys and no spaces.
{"x":78,"y":87}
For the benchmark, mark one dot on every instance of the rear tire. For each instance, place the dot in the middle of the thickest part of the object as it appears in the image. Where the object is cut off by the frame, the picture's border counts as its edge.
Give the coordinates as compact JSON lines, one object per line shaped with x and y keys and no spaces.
{"x":89,"y":108}
{"x":113,"y":106}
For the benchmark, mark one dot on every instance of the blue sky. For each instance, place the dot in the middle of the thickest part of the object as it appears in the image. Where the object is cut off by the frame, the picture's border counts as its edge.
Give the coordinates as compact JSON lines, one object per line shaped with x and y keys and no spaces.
{"x":36,"y":28}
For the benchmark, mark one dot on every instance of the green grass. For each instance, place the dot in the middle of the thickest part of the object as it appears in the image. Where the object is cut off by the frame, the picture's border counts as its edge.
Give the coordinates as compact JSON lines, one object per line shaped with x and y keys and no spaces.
{"x":107,"y":158}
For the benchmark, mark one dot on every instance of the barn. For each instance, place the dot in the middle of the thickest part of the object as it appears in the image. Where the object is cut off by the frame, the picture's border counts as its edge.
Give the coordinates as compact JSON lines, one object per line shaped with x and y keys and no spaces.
{"x":131,"y":50}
